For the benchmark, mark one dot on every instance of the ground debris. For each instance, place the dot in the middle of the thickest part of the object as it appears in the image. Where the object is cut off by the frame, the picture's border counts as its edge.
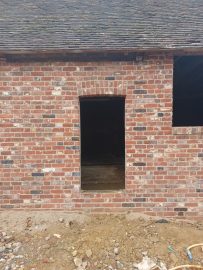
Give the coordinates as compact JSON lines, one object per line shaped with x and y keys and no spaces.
{"x":104,"y":242}
{"x":149,"y":264}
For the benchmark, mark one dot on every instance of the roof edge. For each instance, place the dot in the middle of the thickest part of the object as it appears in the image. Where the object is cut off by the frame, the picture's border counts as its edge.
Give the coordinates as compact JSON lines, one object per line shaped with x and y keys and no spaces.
{"x":94,"y":50}
{"x":89,"y":54}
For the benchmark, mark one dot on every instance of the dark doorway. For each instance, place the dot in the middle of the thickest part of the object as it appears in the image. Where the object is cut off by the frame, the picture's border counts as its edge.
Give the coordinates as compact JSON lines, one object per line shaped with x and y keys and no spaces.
{"x":102,"y":142}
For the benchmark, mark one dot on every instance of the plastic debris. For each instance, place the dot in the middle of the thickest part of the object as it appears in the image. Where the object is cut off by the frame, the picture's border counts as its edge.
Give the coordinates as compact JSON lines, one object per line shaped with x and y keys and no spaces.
{"x":189,"y":254}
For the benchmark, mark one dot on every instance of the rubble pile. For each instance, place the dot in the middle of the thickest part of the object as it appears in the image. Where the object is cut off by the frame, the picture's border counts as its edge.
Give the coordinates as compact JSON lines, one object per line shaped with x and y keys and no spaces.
{"x":10,"y":252}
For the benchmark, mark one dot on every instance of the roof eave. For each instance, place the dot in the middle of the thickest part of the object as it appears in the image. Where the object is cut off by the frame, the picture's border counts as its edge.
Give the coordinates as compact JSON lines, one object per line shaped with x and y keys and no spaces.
{"x":45,"y":54}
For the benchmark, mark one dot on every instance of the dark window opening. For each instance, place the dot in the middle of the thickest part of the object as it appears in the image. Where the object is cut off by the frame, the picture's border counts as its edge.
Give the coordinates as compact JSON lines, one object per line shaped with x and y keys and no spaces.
{"x":188,"y":91}
{"x":102,"y":143}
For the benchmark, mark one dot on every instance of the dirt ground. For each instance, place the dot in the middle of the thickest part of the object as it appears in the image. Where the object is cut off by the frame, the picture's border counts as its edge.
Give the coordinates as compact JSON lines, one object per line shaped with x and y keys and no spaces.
{"x":104,"y":177}
{"x":55,"y":240}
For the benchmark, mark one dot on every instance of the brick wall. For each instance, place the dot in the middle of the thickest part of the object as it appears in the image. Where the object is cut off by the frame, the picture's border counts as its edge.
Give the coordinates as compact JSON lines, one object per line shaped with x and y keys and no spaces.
{"x":40,"y":138}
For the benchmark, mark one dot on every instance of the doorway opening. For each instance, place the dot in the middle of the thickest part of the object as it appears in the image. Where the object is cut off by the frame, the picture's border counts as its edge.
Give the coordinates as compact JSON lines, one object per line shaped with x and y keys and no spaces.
{"x":102,"y":122}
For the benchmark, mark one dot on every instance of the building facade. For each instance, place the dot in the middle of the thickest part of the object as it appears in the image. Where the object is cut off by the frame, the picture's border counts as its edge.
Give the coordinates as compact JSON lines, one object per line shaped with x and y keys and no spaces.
{"x":40,"y":138}
{"x":146,"y":58}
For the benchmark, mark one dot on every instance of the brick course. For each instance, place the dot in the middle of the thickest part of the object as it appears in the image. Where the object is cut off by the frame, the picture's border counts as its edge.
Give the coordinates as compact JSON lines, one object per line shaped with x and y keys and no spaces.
{"x":40,"y":138}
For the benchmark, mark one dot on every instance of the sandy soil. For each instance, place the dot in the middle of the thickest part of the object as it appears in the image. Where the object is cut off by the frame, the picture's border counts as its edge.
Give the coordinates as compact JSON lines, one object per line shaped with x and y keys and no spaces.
{"x":55,"y":240}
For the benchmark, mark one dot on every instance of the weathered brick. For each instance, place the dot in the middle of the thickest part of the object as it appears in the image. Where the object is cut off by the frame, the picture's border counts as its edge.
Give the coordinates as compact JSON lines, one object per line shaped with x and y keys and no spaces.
{"x":180,"y":209}
{"x":7,"y":206}
{"x":89,"y":68}
{"x":76,"y":125}
{"x":36,"y":192}
{"x":160,"y":168}
{"x":48,"y":116}
{"x":7,"y":161}
{"x":60,"y":143}
{"x":75,"y":173}
{"x":48,"y":125}
{"x":73,"y":147}
{"x":75,"y":139}
{"x":139,"y":164}
{"x":140,"y":110}
{"x":139,"y":128}
{"x":37,"y":174}
{"x":140,"y":81}
{"x":128,"y":205}
{"x":110,"y":78}
{"x":140,"y":91}
{"x":139,"y":200}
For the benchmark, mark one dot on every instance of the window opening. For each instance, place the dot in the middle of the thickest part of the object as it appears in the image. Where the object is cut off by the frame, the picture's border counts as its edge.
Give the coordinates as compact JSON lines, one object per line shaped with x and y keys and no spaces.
{"x":188,"y":91}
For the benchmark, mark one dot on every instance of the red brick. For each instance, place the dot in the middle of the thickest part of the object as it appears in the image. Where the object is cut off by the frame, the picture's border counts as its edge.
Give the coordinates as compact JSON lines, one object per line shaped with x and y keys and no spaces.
{"x":31,"y":141}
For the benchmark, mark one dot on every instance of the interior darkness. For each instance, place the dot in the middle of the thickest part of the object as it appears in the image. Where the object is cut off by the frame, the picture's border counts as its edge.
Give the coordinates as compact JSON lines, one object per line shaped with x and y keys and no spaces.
{"x":188,"y":91}
{"x":102,"y":135}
